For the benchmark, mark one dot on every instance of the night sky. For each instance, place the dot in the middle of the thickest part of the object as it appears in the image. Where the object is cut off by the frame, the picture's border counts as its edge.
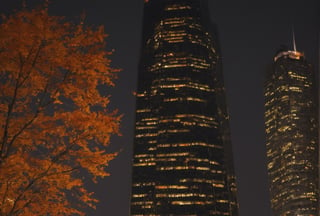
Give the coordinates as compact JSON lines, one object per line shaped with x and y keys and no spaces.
{"x":250,"y":32}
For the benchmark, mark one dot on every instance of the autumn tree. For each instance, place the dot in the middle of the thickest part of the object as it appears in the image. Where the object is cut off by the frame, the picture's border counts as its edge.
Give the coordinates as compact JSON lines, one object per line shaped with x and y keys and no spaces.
{"x":53,"y":120}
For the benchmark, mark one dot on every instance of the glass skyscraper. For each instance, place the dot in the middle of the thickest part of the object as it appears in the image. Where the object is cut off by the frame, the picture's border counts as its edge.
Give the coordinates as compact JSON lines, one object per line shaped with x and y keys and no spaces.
{"x":182,"y":160}
{"x":291,"y":123}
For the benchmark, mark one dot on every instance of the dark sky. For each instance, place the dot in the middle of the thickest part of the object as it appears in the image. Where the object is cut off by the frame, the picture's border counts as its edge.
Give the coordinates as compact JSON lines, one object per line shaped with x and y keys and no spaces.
{"x":250,"y":31}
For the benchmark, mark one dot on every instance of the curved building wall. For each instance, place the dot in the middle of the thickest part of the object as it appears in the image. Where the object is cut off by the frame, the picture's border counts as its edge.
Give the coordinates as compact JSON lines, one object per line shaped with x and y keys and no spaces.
{"x":182,"y":162}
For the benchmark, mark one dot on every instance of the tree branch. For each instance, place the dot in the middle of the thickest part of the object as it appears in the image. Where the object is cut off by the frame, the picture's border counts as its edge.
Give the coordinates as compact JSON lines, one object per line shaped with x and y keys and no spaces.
{"x":5,"y":147}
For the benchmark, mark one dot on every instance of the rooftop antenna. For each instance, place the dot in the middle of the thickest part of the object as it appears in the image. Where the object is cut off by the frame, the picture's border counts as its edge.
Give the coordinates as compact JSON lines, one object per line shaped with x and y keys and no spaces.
{"x":294,"y":40}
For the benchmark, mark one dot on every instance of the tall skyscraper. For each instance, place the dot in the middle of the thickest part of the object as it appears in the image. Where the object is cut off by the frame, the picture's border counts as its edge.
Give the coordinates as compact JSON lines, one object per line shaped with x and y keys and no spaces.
{"x":291,"y":123}
{"x":182,"y":162}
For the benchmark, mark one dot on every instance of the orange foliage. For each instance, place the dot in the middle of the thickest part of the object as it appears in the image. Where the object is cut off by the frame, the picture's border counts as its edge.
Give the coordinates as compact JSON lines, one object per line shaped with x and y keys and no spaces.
{"x":49,"y":130}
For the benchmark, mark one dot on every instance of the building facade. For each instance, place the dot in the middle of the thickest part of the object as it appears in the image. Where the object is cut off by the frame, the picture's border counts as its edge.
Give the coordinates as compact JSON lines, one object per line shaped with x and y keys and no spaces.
{"x":182,"y":160}
{"x":291,"y":123}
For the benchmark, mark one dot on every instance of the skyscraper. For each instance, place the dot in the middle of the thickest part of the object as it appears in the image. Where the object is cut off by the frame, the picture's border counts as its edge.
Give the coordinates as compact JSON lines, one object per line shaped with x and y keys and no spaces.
{"x":182,"y":162}
{"x":291,"y":123}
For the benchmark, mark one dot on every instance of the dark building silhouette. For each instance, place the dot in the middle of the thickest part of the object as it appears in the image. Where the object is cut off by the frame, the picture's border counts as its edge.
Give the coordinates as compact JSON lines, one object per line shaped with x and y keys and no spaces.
{"x":291,"y":123}
{"x":182,"y":162}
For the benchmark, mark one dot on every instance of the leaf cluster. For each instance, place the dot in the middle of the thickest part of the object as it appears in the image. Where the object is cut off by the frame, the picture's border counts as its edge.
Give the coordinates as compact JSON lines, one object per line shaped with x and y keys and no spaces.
{"x":49,"y":72}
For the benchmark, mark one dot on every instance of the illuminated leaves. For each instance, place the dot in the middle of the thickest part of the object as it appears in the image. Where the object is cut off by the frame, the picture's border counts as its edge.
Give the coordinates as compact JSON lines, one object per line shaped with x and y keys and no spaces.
{"x":49,"y":133}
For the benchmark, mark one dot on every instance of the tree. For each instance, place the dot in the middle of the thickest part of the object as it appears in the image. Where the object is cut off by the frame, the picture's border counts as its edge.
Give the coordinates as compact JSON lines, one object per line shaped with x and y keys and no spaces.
{"x":54,"y":123}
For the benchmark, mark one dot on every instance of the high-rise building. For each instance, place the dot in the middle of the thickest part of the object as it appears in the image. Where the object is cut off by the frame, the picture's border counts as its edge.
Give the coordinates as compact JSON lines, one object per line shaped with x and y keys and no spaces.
{"x":182,"y":160}
{"x":291,"y":123}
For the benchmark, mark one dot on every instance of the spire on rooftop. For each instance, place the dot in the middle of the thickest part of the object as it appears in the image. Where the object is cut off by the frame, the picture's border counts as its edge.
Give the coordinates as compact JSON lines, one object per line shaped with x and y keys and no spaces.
{"x":294,"y":40}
